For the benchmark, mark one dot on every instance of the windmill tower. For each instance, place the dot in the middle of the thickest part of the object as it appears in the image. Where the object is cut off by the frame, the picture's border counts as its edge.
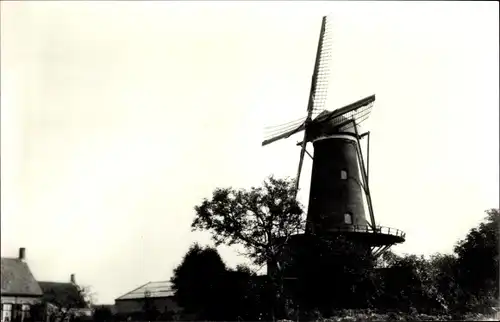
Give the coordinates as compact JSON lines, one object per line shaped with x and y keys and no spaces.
{"x":340,"y":198}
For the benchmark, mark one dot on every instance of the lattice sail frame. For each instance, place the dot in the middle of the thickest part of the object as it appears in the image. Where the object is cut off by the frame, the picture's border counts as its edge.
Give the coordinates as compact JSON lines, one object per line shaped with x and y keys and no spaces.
{"x":320,"y":85}
{"x":320,"y":92}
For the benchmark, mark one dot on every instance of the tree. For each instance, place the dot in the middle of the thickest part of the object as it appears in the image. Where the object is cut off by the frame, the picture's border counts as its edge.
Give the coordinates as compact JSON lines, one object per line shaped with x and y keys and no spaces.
{"x":239,"y":295}
{"x":197,"y":282}
{"x":102,"y":314}
{"x":416,"y":283}
{"x":466,"y":281}
{"x":241,"y":268}
{"x":444,"y":275}
{"x":477,"y":264}
{"x":261,"y":219}
{"x":150,"y":311}
{"x":36,"y":313}
{"x":333,"y":272}
{"x":65,"y":299}
{"x":411,"y":282}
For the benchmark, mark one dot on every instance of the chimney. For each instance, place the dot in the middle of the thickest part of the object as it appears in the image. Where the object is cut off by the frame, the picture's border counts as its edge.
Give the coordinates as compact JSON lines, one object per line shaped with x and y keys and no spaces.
{"x":22,"y":254}
{"x":72,"y":279}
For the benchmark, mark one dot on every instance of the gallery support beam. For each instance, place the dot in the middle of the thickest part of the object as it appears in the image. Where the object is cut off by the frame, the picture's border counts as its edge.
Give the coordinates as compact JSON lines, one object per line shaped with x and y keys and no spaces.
{"x":364,"y":177}
{"x":367,"y":134}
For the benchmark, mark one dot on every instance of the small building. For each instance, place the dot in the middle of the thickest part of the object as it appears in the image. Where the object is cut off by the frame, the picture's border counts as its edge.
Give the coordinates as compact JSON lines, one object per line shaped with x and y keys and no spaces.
{"x":155,"y":295}
{"x":19,"y":288}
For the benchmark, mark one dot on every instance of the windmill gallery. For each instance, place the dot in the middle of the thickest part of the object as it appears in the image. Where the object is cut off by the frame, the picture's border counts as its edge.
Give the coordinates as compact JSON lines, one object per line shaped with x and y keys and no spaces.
{"x":339,"y":196}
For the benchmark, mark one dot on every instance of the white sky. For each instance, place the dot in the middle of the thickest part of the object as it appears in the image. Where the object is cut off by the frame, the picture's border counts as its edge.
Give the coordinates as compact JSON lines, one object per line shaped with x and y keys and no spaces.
{"x":118,"y":118}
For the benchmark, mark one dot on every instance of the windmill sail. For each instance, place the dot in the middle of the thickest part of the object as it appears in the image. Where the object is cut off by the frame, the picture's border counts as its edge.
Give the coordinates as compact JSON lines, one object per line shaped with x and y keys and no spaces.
{"x":319,"y":84}
{"x":322,"y":68}
{"x":284,"y":135}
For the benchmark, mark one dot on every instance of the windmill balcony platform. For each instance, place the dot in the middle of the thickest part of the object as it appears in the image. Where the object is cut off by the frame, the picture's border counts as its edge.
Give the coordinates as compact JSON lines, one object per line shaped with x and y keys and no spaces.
{"x":361,"y":234}
{"x":377,"y":237}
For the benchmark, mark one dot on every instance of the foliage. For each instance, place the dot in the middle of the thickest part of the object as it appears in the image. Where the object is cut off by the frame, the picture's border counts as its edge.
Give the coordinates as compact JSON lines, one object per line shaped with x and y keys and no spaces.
{"x":245,"y":269}
{"x":394,"y":315}
{"x":372,"y":315}
{"x":477,"y":264}
{"x":410,"y":282}
{"x":64,"y":302}
{"x":151,"y":312}
{"x":466,"y":281}
{"x":204,"y":286}
{"x":197,"y":281}
{"x":70,"y":297}
{"x":261,"y":219}
{"x":254,"y":218}
{"x":332,"y":273}
{"x":242,"y":295}
{"x":102,"y":313}
{"x":36,"y":313}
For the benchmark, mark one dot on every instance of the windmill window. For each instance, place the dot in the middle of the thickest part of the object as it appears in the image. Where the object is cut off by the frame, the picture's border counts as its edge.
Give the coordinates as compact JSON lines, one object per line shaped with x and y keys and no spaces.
{"x":348,"y":218}
{"x":343,"y":174}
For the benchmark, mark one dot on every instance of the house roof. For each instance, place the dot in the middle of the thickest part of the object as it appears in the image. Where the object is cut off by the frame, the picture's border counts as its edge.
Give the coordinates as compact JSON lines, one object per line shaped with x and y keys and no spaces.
{"x":151,"y":289}
{"x":17,"y":278}
{"x":62,"y":294}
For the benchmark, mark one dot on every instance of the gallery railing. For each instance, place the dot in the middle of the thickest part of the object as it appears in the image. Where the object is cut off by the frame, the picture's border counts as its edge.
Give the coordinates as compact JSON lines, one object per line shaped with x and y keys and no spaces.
{"x":368,"y":229}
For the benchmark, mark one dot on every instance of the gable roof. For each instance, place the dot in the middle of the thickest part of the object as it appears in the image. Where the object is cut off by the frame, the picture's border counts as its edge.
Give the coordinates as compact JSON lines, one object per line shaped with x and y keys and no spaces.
{"x":152,"y":289}
{"x":17,"y":278}
{"x":65,"y":295}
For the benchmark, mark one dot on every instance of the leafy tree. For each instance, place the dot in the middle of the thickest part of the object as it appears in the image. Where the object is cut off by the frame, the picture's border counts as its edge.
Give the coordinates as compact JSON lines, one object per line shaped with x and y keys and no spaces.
{"x":197,"y":282}
{"x":64,"y":300}
{"x":241,"y":268}
{"x":332,"y":272}
{"x":149,"y":310}
{"x":477,"y":264}
{"x":261,"y":219}
{"x":414,"y":283}
{"x":444,"y":275}
{"x":239,"y":295}
{"x":102,"y":313}
{"x":36,"y":313}
{"x":466,"y":281}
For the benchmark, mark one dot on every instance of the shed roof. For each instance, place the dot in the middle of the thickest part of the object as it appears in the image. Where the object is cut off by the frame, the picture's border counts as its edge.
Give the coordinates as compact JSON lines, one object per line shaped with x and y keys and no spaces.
{"x":17,"y":278}
{"x":151,"y":289}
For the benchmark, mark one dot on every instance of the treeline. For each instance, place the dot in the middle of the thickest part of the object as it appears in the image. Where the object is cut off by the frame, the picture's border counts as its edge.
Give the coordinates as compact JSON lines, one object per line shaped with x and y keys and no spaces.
{"x":329,"y":277}
{"x":448,"y":285}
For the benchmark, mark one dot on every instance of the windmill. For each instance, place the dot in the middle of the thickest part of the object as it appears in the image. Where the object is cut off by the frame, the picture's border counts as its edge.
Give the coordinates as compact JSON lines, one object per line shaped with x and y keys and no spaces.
{"x":339,"y":192}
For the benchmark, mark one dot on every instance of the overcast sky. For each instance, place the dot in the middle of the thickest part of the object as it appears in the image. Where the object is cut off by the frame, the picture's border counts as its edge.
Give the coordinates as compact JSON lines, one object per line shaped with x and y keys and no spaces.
{"x":118,"y":118}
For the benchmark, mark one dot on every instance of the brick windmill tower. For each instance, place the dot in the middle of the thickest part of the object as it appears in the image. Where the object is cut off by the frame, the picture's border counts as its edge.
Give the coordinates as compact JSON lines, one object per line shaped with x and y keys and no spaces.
{"x":339,"y":200}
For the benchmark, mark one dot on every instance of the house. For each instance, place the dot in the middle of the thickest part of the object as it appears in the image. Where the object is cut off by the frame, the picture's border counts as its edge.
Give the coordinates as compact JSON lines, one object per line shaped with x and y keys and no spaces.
{"x":19,"y":288}
{"x":65,"y":295}
{"x":157,"y":295}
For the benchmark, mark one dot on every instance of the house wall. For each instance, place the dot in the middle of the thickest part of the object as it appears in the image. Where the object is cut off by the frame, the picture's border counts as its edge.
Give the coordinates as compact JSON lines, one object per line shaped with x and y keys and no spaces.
{"x":8,"y":302}
{"x":20,"y":299}
{"x":137,"y":305}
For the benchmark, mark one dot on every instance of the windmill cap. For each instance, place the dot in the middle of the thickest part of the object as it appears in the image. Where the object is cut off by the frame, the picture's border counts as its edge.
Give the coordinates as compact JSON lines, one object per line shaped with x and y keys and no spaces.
{"x":330,"y":126}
